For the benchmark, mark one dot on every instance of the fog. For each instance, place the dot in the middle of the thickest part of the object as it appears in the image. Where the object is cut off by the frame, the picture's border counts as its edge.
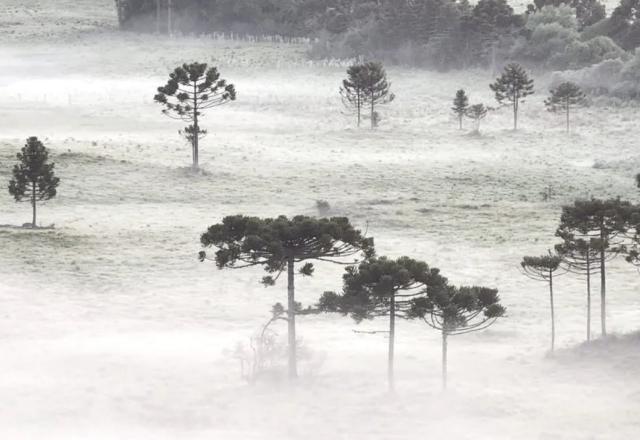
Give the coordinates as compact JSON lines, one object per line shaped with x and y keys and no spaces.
{"x":112,"y":329}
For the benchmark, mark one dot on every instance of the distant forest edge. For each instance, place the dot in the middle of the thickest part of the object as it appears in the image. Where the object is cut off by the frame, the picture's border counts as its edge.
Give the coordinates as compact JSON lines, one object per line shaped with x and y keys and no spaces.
{"x":441,"y":34}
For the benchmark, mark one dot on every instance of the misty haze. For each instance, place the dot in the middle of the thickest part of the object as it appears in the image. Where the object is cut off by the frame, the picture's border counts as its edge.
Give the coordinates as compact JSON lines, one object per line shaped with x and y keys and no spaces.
{"x":319,"y":219}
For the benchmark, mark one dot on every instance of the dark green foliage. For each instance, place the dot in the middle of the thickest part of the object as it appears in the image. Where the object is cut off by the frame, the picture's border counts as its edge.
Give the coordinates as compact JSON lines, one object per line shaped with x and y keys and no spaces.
{"x":512,"y":87}
{"x":477,"y":112}
{"x":33,"y":177}
{"x":588,"y":12}
{"x":370,"y":287}
{"x":458,"y":310}
{"x":250,"y":241}
{"x":624,"y":24}
{"x":192,"y":89}
{"x":460,"y":105}
{"x":277,"y":244}
{"x":565,"y":97}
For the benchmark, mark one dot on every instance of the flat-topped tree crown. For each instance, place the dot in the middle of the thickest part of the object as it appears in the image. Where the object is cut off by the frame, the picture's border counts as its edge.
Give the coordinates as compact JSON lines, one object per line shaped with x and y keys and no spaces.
{"x":190,"y":90}
{"x":541,"y":266}
{"x":278,"y":244}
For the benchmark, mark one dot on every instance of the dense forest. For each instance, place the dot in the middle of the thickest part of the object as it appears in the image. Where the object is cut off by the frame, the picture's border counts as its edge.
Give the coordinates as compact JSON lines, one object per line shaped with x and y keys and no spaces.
{"x":442,"y":34}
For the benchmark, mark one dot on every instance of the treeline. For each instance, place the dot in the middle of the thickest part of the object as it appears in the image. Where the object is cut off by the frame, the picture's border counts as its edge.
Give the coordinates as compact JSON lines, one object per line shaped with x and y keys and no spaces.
{"x":557,"y":34}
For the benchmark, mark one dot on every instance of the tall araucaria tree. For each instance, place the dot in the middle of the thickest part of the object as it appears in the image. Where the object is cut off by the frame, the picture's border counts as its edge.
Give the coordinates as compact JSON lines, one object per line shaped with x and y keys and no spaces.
{"x":565,"y":97}
{"x":581,"y":257}
{"x":191,"y":90}
{"x":352,"y":90}
{"x":607,"y":221}
{"x":33,"y":176}
{"x":457,"y":311}
{"x":460,"y":106}
{"x":380,"y":287}
{"x":376,"y":88}
{"x":278,"y":245}
{"x":512,"y":87}
{"x":543,"y":269}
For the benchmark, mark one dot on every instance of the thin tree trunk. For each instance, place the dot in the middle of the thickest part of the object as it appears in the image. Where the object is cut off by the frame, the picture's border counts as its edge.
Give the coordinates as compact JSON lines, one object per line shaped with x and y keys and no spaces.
{"x":372,"y":112}
{"x":196,"y":128}
{"x":588,"y":297}
{"x":515,"y":113}
{"x":33,"y":203}
{"x":460,"y":120}
{"x":553,"y":318}
{"x":603,"y":287}
{"x":291,"y":319}
{"x":567,"y":117}
{"x":444,"y":359}
{"x":359,"y":106}
{"x":392,"y":337}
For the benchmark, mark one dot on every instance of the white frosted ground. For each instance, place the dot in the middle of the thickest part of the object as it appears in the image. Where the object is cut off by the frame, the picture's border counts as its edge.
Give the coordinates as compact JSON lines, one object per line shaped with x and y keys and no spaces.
{"x":112,"y":329}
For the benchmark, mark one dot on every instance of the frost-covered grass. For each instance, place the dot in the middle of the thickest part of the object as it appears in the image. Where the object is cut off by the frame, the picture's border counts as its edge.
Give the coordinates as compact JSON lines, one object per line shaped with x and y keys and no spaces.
{"x":112,"y":329}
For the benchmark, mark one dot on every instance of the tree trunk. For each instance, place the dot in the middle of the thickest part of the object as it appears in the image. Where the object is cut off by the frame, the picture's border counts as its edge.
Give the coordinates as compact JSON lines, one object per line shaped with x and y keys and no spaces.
{"x":196,"y":128}
{"x":567,"y":117}
{"x":588,"y":297}
{"x":603,"y":285}
{"x":359,"y":106}
{"x":444,"y":358}
{"x":460,"y":120}
{"x":553,"y":317}
{"x":392,"y":337}
{"x":515,"y":113}
{"x":291,"y":320}
{"x":372,"y":112}
{"x":33,"y":204}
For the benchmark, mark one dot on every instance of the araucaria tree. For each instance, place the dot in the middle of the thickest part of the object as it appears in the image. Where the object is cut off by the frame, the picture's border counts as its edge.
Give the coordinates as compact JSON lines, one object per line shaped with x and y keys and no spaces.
{"x":477,"y":113}
{"x":382,"y":287}
{"x":603,"y":220}
{"x":543,"y":269}
{"x":278,"y":245}
{"x":352,"y":90}
{"x":512,"y":87}
{"x":192,"y":89}
{"x":581,"y":257}
{"x":460,"y":106}
{"x":565,"y":97}
{"x":33,"y":176}
{"x":457,"y":311}
{"x":376,"y":88}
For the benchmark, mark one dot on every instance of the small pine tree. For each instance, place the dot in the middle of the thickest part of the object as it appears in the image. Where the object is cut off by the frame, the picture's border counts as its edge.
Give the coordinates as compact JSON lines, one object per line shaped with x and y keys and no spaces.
{"x":563,"y":98}
{"x":376,"y":88}
{"x":477,"y":112}
{"x":33,"y":177}
{"x":512,"y":87}
{"x":460,"y":105}
{"x":352,"y":92}
{"x":192,"y":89}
